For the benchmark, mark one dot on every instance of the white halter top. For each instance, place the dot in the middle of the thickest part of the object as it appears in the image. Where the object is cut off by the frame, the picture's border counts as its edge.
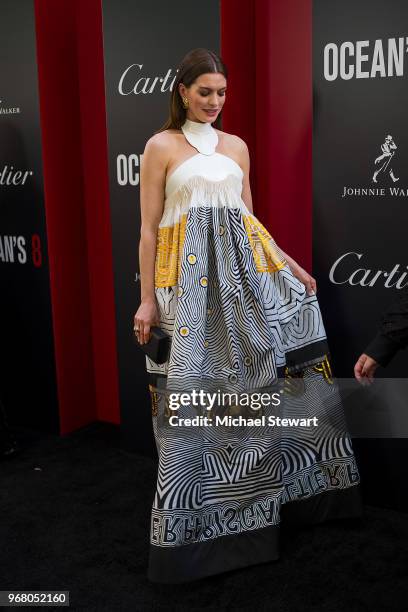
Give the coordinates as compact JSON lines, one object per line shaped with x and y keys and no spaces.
{"x":207,"y":163}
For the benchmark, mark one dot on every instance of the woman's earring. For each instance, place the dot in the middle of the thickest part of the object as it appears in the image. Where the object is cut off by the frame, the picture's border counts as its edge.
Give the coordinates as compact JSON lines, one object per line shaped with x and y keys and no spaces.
{"x":185,"y":103}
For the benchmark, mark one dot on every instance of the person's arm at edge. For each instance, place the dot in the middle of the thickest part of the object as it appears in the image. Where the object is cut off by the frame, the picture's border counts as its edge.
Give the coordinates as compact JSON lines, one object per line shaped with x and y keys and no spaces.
{"x":393,"y":331}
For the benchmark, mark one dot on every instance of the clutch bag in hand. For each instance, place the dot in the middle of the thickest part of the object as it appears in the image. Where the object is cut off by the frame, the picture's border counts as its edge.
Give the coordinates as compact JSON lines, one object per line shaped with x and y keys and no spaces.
{"x":157,"y":348}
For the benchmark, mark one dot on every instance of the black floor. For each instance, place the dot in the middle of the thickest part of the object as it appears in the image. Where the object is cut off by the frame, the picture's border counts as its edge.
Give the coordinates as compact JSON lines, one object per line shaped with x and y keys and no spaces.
{"x":74,"y":515}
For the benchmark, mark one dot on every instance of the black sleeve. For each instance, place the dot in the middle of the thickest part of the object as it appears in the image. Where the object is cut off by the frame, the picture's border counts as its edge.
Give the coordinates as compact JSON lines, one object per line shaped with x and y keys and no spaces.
{"x":393,"y":333}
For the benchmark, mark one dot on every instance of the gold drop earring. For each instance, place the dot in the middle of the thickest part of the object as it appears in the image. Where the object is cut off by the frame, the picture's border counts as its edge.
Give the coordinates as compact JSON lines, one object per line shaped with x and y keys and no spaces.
{"x":185,"y":102}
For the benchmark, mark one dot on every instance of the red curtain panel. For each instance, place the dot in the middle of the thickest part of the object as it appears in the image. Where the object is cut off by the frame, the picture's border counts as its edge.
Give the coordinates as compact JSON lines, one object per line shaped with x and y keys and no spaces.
{"x":267,"y":46}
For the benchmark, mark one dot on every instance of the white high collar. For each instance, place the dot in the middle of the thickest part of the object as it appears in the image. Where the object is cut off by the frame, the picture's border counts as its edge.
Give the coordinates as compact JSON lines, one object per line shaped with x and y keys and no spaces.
{"x":202,"y":136}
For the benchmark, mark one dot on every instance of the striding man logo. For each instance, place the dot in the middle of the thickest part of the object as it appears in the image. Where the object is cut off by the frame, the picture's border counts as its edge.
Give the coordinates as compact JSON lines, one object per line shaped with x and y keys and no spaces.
{"x":384,"y":161}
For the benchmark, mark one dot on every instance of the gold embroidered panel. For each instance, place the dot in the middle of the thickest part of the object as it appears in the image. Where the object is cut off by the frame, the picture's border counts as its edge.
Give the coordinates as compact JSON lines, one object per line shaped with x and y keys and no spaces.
{"x":265,"y":251}
{"x":169,"y":249}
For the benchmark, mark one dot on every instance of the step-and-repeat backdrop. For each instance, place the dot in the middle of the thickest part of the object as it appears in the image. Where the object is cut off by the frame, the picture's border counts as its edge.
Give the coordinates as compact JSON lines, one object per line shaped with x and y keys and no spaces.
{"x":143,"y":44}
{"x":27,"y":369}
{"x":360,"y":161}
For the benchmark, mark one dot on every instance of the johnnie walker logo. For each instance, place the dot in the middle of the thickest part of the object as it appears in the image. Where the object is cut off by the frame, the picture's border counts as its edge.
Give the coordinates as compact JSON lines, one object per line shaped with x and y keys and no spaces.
{"x":383,"y":177}
{"x":8,"y":110}
{"x":383,"y":162}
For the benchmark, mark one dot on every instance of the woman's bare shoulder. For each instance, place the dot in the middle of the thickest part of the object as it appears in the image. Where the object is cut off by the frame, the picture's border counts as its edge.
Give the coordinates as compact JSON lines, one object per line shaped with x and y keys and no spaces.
{"x":162,"y":143}
{"x":163,"y":138}
{"x":232,"y":141}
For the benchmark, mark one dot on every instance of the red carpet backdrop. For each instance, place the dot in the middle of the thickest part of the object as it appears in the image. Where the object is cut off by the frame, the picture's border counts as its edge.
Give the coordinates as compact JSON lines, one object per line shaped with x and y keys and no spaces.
{"x":360,"y":214}
{"x":360,"y":186}
{"x":27,"y":367}
{"x":69,"y":190}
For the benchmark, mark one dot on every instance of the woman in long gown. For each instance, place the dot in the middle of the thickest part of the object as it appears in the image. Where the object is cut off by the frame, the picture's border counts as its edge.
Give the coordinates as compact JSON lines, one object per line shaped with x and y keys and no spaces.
{"x":243,"y":318}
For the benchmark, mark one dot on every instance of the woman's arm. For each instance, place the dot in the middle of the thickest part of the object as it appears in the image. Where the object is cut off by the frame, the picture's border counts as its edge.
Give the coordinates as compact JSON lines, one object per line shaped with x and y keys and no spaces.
{"x":152,"y":183}
{"x":298,"y":271}
{"x":245,"y":165}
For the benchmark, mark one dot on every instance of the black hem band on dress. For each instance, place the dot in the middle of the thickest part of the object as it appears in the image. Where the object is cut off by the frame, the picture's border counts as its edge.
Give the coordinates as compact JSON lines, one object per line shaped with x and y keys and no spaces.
{"x":194,"y":561}
{"x":335,"y":504}
{"x":190,"y":562}
{"x":307,"y":354}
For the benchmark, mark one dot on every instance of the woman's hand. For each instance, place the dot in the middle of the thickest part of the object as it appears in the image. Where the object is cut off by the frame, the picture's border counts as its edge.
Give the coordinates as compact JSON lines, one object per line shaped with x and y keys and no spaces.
{"x":301,"y":274}
{"x":364,"y":369}
{"x":305,"y":278}
{"x":146,"y":316}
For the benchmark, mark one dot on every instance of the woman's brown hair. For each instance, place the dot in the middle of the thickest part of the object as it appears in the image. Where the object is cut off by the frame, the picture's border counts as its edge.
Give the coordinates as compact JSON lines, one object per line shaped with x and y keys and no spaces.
{"x":195,"y":62}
